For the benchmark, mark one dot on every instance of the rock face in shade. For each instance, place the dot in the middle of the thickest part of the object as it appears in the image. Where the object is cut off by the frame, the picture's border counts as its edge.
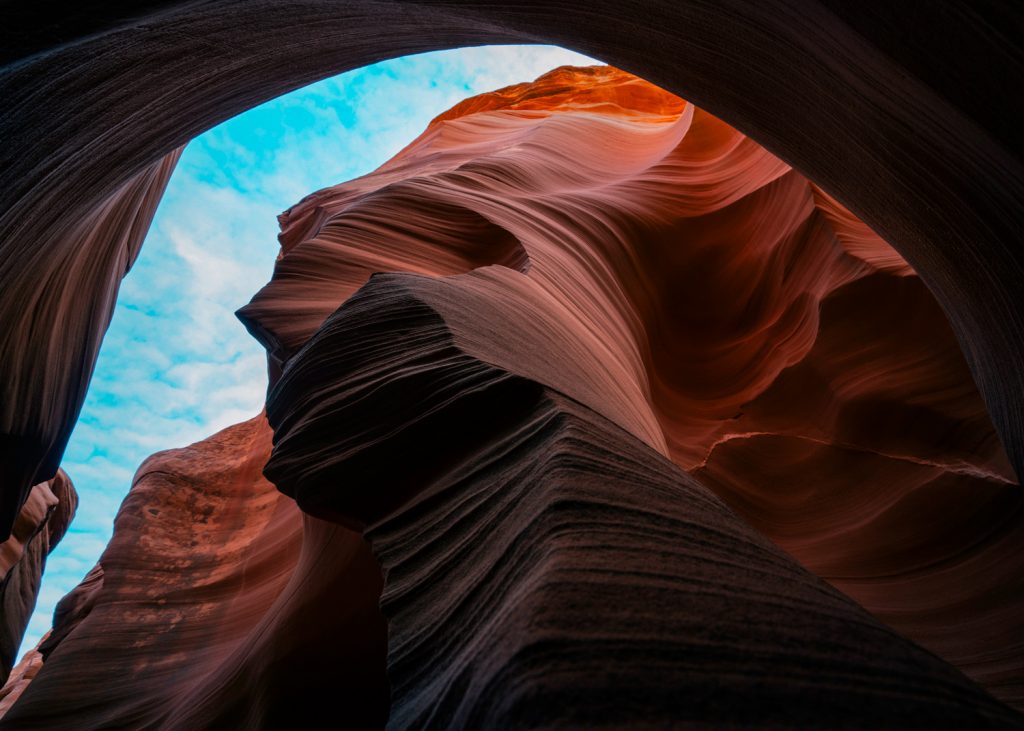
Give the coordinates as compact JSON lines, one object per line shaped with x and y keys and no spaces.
{"x":41,"y":523}
{"x":632,"y":291}
{"x":52,"y":327}
{"x":216,"y":604}
{"x":696,"y":291}
{"x":546,"y":569}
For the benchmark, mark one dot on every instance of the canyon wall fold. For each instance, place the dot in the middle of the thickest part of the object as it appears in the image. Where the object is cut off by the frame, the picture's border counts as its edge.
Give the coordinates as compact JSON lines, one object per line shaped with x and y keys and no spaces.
{"x":630,"y":342}
{"x":695,"y":290}
{"x":545,"y":569}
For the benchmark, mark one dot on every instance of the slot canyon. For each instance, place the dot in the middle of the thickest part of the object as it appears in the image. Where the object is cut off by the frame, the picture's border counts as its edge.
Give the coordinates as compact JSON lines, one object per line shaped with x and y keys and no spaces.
{"x":683,"y":391}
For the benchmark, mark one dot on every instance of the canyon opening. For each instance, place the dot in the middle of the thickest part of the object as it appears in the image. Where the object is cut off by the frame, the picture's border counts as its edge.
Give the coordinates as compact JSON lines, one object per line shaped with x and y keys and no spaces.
{"x":576,"y":406}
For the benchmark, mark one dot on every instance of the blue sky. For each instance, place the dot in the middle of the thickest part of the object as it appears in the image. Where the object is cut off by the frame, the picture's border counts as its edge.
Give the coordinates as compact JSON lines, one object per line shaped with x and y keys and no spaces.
{"x":176,"y":365}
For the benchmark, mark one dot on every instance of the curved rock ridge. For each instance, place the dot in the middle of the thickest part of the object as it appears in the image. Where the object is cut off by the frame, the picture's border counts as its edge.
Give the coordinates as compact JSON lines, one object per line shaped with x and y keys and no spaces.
{"x":39,"y":527}
{"x":699,"y":293}
{"x":334,"y":239}
{"x":216,"y":603}
{"x":629,"y":289}
{"x":53,"y":326}
{"x":545,"y":569}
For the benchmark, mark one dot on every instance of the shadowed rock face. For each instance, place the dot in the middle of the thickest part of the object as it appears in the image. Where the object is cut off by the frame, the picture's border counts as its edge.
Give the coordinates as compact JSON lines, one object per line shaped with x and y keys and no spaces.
{"x":612,"y":288}
{"x":698,"y":292}
{"x":546,"y":569}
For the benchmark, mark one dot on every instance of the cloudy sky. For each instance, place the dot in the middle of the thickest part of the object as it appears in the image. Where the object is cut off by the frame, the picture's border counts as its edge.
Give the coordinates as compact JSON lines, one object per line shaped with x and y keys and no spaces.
{"x":176,"y":365}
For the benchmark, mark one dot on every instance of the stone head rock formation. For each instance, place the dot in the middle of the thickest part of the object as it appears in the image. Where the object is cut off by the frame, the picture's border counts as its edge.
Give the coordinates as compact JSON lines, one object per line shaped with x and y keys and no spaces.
{"x":529,"y":480}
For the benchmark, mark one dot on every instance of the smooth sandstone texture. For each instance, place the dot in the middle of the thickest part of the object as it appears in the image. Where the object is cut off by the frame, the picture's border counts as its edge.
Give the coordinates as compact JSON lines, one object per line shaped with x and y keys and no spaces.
{"x":636,"y":283}
{"x":545,"y":569}
{"x":693,"y":289}
{"x":903,"y":112}
{"x":57,"y":301}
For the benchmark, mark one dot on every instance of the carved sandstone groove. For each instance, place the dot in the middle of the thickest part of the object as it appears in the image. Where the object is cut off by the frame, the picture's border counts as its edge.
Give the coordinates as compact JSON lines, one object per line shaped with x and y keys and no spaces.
{"x":544,"y":568}
{"x":693,"y":289}
{"x":666,"y":287}
{"x":58,"y":298}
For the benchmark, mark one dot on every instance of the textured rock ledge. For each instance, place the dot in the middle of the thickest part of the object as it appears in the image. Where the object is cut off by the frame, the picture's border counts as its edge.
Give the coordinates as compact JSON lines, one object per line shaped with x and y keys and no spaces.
{"x":216,"y":604}
{"x":544,"y":568}
{"x":693,"y":289}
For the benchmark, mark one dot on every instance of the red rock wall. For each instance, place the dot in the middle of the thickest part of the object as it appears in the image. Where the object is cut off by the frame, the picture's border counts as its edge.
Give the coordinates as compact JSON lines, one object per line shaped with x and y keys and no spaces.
{"x":41,"y":523}
{"x":216,"y":603}
{"x":628,"y":252}
{"x":545,"y":569}
{"x":694,"y":289}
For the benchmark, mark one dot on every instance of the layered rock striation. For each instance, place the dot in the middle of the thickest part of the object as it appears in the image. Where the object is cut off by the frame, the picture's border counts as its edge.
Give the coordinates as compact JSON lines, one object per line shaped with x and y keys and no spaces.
{"x":53,"y":326}
{"x":629,"y":344}
{"x":546,"y":569}
{"x":689,"y":286}
{"x":903,"y":113}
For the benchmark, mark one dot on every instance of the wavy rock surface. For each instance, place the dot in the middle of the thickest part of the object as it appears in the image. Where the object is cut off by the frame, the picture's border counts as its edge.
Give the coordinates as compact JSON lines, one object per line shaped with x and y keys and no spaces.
{"x":545,"y":569}
{"x":41,"y":523}
{"x":216,"y":604}
{"x":630,"y":282}
{"x":53,"y":326}
{"x":898,"y":110}
{"x":695,"y":290}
